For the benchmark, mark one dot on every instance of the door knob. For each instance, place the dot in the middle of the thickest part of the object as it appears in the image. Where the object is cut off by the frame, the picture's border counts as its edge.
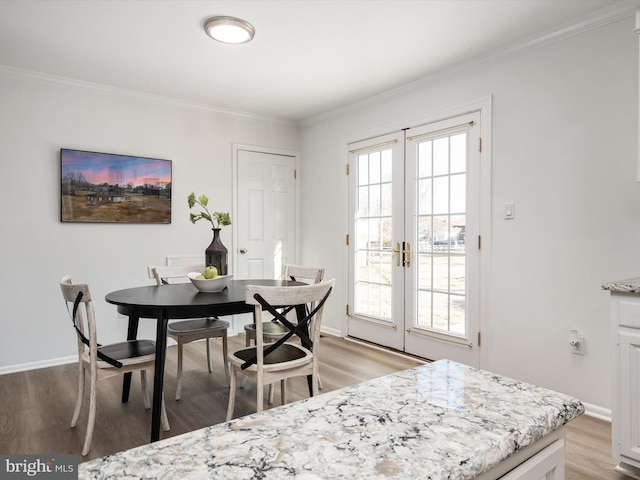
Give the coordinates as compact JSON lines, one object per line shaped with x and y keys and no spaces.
{"x":243,"y":251}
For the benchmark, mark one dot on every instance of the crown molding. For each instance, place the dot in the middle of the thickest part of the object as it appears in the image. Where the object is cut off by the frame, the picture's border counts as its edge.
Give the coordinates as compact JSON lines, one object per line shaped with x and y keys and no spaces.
{"x":604,"y":16}
{"x":17,"y":72}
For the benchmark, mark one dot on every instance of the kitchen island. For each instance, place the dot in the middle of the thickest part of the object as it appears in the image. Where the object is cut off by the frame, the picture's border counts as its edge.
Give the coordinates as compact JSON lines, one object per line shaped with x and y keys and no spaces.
{"x":442,"y":420}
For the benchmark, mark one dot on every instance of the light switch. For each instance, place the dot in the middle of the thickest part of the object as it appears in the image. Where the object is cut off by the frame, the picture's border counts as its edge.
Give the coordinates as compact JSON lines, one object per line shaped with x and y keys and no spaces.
{"x":509,"y":210}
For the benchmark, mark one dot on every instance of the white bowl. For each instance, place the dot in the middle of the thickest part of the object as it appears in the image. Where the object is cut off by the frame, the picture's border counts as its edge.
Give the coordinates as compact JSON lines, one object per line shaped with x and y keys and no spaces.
{"x":216,"y":284}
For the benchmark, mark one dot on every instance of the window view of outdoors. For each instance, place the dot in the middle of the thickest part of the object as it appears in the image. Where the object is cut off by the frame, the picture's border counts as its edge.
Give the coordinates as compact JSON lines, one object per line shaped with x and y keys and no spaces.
{"x":440,"y":267}
{"x":438,"y":261}
{"x":373,"y":236}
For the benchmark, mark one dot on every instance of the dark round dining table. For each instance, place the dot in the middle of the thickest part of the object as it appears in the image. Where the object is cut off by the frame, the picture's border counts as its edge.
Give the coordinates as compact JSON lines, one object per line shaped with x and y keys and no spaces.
{"x":177,"y":301}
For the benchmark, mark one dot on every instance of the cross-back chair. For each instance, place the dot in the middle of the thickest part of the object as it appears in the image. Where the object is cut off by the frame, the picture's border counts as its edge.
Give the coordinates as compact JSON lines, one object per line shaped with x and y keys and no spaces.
{"x":102,"y":361}
{"x":267,"y":363}
{"x":273,"y":329}
{"x":186,"y":331}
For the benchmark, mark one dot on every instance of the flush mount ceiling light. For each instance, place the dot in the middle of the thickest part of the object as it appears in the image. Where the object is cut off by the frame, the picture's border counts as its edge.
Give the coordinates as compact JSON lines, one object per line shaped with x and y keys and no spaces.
{"x":229,"y":29}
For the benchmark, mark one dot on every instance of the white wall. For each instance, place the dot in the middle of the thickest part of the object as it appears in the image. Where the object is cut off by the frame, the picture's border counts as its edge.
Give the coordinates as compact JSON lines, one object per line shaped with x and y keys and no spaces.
{"x":565,"y":123}
{"x":37,"y":118}
{"x":564,"y":149}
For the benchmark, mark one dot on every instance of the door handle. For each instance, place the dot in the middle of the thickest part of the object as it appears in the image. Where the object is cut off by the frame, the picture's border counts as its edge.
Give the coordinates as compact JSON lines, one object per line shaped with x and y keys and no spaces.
{"x":243,"y":251}
{"x":407,"y":254}
{"x":397,"y":251}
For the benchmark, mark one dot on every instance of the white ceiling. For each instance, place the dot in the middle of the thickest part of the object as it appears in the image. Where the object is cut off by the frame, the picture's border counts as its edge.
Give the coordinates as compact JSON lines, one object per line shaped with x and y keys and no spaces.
{"x":307,"y":56}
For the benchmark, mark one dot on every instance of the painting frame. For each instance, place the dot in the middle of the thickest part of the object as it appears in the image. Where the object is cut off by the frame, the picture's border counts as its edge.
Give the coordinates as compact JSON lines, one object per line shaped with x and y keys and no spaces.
{"x":98,"y":187}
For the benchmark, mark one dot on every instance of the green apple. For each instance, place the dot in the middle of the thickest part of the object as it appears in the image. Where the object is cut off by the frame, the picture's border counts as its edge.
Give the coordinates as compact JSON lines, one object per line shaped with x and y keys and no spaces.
{"x":200,"y":277}
{"x":210,"y":272}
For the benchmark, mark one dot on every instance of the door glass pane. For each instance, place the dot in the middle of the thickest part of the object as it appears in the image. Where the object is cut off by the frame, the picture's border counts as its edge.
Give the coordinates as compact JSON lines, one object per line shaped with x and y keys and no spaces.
{"x":373,"y":255}
{"x":425,"y":195}
{"x":374,"y":200}
{"x":385,"y":200}
{"x":440,"y":227}
{"x":440,"y":195}
{"x":424,"y":159}
{"x":441,"y":156}
{"x":458,"y":145}
{"x":458,"y":193}
{"x":385,"y":166}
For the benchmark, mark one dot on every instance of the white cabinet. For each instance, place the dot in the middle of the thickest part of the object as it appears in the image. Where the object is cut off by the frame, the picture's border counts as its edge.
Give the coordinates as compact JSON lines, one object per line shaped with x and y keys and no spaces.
{"x":625,"y":421}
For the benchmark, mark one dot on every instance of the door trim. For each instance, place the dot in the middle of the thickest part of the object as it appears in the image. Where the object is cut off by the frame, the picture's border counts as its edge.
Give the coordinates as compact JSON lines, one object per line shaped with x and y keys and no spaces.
{"x":484,"y":106}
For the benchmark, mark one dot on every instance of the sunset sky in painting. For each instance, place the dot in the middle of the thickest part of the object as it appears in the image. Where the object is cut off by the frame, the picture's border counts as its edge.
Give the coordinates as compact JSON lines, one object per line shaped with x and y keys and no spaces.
{"x":99,"y":168}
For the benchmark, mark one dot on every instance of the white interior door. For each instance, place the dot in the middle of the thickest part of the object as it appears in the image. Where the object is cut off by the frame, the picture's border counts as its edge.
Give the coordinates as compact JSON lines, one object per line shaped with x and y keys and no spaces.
{"x":266,"y":213}
{"x":266,"y":216}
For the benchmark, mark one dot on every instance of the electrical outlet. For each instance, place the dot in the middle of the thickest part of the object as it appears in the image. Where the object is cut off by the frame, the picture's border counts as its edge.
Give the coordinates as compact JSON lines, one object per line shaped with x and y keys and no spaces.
{"x":578,"y":347}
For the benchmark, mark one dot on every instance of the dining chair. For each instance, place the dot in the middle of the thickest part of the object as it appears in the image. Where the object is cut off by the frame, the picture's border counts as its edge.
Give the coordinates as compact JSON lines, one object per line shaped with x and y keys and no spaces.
{"x":267,"y":363}
{"x":190,"y":330}
{"x":103,"y":361}
{"x":273,"y":329}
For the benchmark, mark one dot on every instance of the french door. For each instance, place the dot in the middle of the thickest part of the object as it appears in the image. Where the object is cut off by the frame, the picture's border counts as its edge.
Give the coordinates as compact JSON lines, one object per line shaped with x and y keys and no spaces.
{"x":414,"y":241}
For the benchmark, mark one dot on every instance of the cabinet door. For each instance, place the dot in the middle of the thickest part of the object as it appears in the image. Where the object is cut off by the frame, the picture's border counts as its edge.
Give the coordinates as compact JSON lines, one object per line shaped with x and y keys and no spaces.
{"x":629,"y":384}
{"x":548,"y":464}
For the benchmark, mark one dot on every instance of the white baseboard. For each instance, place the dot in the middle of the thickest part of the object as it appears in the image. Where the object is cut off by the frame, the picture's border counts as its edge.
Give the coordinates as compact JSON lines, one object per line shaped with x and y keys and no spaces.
{"x":332,"y":332}
{"x":597,"y":412}
{"x":23,"y":367}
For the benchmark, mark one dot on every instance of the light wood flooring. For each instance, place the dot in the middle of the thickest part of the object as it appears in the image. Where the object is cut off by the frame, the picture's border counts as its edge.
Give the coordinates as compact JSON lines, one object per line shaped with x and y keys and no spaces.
{"x":36,"y":406}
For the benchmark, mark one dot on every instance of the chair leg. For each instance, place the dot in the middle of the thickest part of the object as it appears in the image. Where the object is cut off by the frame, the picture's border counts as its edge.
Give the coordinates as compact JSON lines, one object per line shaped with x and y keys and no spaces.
{"x":163,"y":416}
{"x":76,"y":411}
{"x":283,"y":398}
{"x":232,"y":395}
{"x":314,"y":383}
{"x":208,"y":340}
{"x":145,"y":390}
{"x":247,"y":339}
{"x":249,"y":336}
{"x":320,"y":383}
{"x":92,"y":414}
{"x":179,"y":387}
{"x":271,"y":394}
{"x":259,"y":395}
{"x":225,"y":350}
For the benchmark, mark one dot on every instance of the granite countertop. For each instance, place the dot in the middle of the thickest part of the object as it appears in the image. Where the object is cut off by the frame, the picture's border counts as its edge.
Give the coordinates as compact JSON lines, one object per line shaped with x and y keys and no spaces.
{"x":630,"y":285}
{"x":442,"y":420}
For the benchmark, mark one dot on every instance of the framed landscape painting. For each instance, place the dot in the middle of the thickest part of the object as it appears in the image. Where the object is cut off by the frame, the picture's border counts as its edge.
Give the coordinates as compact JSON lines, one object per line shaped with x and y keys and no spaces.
{"x":110,"y":188}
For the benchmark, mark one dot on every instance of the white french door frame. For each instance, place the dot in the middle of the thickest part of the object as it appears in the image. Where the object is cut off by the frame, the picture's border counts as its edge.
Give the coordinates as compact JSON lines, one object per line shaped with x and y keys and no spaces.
{"x":484,"y":107}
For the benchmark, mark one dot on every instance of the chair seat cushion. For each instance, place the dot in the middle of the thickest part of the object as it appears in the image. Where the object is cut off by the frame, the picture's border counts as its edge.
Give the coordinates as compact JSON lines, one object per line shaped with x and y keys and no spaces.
{"x":268,"y":328}
{"x":197,"y":325}
{"x":284,"y":353}
{"x":129,"y":349}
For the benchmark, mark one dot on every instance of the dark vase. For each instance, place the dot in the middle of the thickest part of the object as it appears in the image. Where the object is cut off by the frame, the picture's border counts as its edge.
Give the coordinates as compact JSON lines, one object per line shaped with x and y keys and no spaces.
{"x":216,"y":253}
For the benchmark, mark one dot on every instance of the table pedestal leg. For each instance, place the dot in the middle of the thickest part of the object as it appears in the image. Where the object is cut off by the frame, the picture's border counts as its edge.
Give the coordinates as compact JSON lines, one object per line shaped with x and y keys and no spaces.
{"x":158,"y":376}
